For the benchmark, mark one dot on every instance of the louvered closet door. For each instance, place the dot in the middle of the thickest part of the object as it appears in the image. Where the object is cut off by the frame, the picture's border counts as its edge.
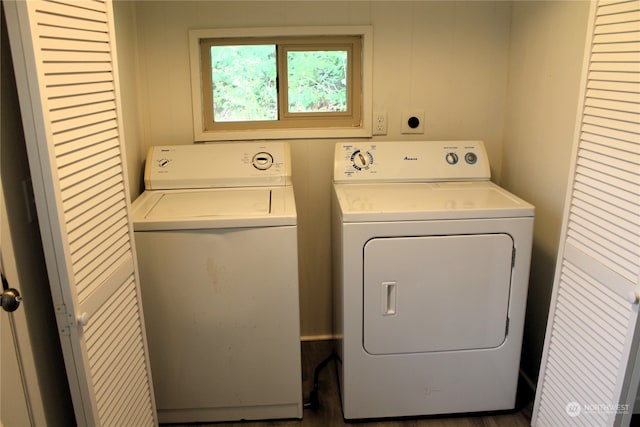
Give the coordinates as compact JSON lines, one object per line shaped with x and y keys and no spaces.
{"x":64,"y":55}
{"x":589,"y":373}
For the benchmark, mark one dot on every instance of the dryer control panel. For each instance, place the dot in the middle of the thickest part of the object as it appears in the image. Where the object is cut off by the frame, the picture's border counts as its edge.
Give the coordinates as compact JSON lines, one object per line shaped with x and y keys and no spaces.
{"x":411,"y":161}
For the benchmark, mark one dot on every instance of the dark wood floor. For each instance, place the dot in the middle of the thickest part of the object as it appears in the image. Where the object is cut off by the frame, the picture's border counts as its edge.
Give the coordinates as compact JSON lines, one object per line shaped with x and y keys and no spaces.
{"x":329,"y":413}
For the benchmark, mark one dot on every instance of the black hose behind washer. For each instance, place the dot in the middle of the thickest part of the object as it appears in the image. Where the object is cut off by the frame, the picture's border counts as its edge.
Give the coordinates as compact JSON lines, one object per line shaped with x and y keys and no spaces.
{"x":314,"y":401}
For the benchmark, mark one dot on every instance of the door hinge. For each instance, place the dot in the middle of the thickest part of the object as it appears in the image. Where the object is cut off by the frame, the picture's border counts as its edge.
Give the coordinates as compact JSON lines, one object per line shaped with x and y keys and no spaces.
{"x":65,"y":320}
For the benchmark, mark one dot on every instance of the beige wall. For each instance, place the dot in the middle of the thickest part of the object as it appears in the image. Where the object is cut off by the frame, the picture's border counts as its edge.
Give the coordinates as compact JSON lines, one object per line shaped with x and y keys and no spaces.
{"x":547,"y":44}
{"x":127,"y":47}
{"x":504,"y":72}
{"x":449,"y":59}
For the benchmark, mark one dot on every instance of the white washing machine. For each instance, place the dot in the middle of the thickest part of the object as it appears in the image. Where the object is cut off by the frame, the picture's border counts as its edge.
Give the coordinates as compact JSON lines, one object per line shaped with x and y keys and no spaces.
{"x":431,"y":267}
{"x":216,"y":243}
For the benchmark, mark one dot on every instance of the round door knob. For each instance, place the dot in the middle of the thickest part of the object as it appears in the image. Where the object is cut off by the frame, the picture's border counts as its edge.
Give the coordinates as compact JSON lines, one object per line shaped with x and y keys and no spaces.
{"x":10,"y":299}
{"x":83,"y":319}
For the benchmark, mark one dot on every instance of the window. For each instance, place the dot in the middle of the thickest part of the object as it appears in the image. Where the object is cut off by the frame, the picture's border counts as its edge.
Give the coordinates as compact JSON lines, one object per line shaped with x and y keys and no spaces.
{"x":281,"y":83}
{"x":287,"y":82}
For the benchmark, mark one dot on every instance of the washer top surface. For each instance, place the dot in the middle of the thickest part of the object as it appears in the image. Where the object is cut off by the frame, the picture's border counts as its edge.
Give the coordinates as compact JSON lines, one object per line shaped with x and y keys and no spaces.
{"x":214,"y":208}
{"x":187,"y":204}
{"x":219,"y":185}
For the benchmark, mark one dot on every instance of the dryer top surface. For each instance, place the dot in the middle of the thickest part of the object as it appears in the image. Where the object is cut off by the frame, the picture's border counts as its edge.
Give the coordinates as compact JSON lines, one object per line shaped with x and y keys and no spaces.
{"x":427,"y":201}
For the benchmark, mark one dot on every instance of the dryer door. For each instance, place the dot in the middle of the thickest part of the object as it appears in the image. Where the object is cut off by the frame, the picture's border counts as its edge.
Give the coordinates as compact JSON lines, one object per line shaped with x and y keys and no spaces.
{"x":436,"y":293}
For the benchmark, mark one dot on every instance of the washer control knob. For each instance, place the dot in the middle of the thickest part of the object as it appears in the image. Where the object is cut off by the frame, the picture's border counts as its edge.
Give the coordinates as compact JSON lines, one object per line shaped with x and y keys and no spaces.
{"x":471,"y":158}
{"x":452,"y":158}
{"x":262,"y":161}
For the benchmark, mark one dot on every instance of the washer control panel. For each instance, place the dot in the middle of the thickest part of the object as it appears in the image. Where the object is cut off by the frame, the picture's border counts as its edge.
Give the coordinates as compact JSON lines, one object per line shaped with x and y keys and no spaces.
{"x":411,"y":161}
{"x":218,"y":165}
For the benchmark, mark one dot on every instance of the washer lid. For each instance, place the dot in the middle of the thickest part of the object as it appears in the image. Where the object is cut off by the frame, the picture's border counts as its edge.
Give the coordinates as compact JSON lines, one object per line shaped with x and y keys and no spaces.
{"x":189,"y":204}
{"x":214,"y":208}
{"x":424,"y":201}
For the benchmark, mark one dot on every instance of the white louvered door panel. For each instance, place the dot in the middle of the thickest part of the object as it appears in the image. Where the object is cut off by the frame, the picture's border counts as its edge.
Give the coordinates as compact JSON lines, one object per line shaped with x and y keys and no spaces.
{"x":65,"y":59}
{"x":589,"y":374}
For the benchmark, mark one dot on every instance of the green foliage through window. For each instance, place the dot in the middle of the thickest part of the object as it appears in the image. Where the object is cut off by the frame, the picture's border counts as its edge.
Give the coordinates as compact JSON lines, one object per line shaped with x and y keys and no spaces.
{"x":317,"y":81}
{"x":276,"y":83}
{"x":244,"y":83}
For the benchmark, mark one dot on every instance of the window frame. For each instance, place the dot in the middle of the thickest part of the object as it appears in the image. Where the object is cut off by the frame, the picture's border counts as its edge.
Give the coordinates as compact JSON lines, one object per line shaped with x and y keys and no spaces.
{"x":356,"y":123}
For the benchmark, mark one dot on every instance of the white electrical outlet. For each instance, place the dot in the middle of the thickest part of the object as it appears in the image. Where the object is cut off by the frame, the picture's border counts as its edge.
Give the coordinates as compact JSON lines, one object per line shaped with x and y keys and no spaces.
{"x":379,"y":123}
{"x":412,"y":122}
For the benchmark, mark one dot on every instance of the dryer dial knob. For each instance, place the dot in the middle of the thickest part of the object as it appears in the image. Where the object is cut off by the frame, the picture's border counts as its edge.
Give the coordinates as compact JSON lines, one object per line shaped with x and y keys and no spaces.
{"x":361,"y":159}
{"x":471,"y":158}
{"x":262,"y":161}
{"x":452,"y":158}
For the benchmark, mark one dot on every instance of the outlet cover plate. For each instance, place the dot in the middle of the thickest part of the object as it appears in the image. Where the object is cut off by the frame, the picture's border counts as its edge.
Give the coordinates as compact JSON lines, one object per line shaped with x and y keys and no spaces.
{"x":380,"y":123}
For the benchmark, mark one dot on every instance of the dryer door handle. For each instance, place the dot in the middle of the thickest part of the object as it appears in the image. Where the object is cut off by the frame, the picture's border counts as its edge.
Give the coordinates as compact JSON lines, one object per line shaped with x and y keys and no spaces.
{"x":389,"y":298}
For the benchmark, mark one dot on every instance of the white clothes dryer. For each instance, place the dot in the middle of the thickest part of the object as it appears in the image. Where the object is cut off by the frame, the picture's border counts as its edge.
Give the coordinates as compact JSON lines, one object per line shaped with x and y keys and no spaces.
{"x":431,"y":267}
{"x":216,"y":239}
